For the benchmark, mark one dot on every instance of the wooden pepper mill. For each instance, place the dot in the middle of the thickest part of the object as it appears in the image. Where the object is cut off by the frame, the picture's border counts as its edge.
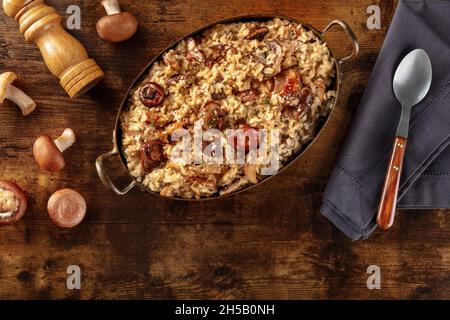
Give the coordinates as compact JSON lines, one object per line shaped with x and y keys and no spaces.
{"x":64,"y":55}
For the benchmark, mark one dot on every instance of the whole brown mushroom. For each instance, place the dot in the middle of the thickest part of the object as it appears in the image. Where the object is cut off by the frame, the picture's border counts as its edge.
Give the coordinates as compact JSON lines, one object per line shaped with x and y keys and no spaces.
{"x":49,"y":153}
{"x":13,"y":202}
{"x":117,"y":25}
{"x":66,"y":208}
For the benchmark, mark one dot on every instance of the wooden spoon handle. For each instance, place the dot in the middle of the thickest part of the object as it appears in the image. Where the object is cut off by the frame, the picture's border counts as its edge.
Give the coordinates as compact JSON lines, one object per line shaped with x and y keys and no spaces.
{"x":386,"y":211}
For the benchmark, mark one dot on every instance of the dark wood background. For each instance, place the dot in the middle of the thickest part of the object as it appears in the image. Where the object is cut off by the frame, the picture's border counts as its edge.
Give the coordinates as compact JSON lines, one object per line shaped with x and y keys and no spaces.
{"x":270,"y":242}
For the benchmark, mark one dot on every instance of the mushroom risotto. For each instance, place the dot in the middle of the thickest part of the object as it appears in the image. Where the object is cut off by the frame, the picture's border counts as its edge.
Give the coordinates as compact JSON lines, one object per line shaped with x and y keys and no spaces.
{"x":249,"y":76}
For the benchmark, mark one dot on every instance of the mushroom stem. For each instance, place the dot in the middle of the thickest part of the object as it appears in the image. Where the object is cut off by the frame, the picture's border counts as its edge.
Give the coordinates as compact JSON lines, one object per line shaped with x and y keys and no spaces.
{"x":25,"y":103}
{"x":65,"y":140}
{"x":111,"y":6}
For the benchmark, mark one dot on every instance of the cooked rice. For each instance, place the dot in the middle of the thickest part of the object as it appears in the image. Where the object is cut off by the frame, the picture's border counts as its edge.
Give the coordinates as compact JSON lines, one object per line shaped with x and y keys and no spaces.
{"x":245,"y":64}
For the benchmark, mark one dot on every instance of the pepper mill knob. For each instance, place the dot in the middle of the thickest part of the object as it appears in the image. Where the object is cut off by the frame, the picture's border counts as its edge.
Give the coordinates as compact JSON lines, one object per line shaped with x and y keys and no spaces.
{"x":64,"y":55}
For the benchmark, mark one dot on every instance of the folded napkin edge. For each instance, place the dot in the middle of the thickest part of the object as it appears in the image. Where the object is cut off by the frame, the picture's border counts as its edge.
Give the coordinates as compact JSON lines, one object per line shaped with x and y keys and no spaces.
{"x":343,"y":223}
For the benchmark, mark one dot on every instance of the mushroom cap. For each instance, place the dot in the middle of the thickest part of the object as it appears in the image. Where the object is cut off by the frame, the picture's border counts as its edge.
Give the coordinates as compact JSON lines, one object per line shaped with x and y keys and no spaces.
{"x":66,"y":208}
{"x":6,"y":78}
{"x":117,"y":27}
{"x":47,"y":154}
{"x":20,"y":195}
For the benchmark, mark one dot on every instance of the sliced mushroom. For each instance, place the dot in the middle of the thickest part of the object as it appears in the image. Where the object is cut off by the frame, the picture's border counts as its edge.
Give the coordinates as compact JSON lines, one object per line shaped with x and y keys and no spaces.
{"x":151,"y":94}
{"x":305,"y":103}
{"x":258,"y":33}
{"x":235,"y":186}
{"x":219,"y":79}
{"x":218,"y":95}
{"x":117,"y":25}
{"x":66,"y":208}
{"x":158,"y":120}
{"x":152,"y":155}
{"x":12,"y":93}
{"x":213,"y":115}
{"x":319,"y":87}
{"x":189,"y":80}
{"x":49,"y":153}
{"x":209,"y":169}
{"x":245,"y":140}
{"x":217,"y":53}
{"x":289,"y":86}
{"x":209,"y":181}
{"x":288,"y":82}
{"x":271,"y":70}
{"x":249,"y":95}
{"x":174,"y":79}
{"x":13,"y":202}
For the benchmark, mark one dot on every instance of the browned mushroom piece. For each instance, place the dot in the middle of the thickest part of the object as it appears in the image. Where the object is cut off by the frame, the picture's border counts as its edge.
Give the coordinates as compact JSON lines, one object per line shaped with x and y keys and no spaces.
{"x":249,"y":95}
{"x":117,"y":25}
{"x":14,"y":94}
{"x":258,"y":33}
{"x":188,"y":79}
{"x":66,"y":208}
{"x":288,"y":85}
{"x":287,"y":82}
{"x":152,"y":155}
{"x":218,"y":95}
{"x":274,"y":67}
{"x":217,"y":53}
{"x":245,"y":139}
{"x":320,"y":88}
{"x":49,"y":153}
{"x":151,"y":94}
{"x":214,"y":116}
{"x":13,"y":202}
{"x":235,"y":186}
{"x":175,"y":79}
{"x":305,"y":103}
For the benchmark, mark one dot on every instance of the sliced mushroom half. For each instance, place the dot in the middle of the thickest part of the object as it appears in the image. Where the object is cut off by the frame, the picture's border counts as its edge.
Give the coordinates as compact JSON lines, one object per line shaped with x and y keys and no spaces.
{"x":275,"y":67}
{"x":258,"y":33}
{"x":13,"y":202}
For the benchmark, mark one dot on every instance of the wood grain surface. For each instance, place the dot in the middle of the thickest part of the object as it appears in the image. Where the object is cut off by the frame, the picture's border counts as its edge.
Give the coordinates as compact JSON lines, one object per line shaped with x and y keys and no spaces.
{"x":270,"y":242}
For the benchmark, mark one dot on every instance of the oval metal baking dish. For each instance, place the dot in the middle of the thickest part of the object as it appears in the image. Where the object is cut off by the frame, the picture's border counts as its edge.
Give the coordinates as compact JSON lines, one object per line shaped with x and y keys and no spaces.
{"x":117,"y":134}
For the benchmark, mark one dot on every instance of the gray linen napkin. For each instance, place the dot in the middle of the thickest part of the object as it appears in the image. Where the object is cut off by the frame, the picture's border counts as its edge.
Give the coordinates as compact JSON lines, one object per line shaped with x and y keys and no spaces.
{"x":353,"y":191}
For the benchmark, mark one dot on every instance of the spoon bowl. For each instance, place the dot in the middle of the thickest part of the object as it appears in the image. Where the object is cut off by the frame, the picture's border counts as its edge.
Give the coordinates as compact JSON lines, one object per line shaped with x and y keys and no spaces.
{"x":412,"y":79}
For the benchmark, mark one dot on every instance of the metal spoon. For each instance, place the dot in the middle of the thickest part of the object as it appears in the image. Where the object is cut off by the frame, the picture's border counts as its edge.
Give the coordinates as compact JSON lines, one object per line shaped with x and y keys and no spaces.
{"x":411,"y":83}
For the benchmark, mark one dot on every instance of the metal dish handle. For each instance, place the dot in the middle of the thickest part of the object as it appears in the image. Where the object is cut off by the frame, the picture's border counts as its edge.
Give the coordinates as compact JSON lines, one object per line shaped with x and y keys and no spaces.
{"x":105,"y":178}
{"x":350,"y":33}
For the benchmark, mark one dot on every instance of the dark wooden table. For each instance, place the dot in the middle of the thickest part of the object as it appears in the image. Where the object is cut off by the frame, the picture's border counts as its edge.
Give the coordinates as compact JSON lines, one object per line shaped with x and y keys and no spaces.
{"x":270,"y":242}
